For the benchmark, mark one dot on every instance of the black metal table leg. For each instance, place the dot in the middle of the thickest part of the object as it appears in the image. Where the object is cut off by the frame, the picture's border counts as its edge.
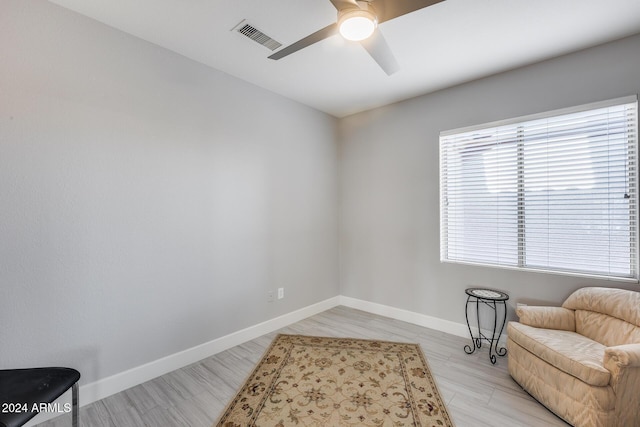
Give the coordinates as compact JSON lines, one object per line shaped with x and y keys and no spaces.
{"x":492,"y":299}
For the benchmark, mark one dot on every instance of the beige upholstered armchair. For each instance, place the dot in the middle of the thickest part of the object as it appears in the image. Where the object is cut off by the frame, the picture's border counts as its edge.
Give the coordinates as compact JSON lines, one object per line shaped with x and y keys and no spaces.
{"x":581,"y":360}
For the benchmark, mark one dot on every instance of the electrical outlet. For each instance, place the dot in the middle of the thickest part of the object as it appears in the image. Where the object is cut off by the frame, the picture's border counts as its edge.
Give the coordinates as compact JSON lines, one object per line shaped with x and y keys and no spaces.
{"x":280,"y":293}
{"x":270,"y":296}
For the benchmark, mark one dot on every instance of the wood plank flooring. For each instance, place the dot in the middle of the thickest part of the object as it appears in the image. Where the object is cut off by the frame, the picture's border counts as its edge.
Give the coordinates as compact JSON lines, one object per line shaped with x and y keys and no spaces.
{"x":477,"y":393}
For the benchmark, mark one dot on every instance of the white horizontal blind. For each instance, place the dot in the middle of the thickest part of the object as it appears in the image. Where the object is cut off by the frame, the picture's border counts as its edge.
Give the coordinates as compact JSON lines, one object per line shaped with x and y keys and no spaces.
{"x":553,"y":192}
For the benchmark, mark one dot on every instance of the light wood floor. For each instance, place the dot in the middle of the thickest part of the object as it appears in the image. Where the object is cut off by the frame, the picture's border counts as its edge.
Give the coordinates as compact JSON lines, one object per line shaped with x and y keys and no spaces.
{"x":477,"y":393}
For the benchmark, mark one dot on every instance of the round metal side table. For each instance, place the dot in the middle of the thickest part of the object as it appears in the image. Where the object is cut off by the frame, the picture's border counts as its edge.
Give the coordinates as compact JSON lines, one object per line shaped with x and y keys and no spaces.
{"x":492,"y":299}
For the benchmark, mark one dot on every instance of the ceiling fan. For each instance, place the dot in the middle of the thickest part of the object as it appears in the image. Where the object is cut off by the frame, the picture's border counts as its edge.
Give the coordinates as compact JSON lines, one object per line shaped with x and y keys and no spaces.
{"x":358,"y":21}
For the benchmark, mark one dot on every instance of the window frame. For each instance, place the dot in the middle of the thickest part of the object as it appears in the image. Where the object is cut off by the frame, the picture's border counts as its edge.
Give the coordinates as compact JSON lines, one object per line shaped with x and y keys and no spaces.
{"x":634,"y":235}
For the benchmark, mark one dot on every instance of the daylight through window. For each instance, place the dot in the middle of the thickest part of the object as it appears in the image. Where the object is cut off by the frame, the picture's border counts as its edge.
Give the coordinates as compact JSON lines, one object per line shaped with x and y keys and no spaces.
{"x":554,"y":192}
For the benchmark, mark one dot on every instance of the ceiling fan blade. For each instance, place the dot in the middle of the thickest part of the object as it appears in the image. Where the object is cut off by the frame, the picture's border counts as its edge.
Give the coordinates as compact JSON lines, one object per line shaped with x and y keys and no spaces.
{"x":380,"y":51}
{"x":307,"y":41}
{"x":390,"y":9}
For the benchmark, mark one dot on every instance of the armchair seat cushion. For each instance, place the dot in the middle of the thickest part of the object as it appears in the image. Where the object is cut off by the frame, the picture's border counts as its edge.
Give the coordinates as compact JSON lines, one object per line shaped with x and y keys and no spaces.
{"x":568,"y":351}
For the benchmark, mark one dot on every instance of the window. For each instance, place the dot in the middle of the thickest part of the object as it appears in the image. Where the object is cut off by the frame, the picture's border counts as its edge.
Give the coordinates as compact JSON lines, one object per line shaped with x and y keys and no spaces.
{"x":552,"y":192}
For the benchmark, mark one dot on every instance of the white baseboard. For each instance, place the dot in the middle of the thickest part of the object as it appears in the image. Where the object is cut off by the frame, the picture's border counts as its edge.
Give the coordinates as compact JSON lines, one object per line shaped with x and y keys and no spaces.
{"x":116,"y":383}
{"x":124,"y":380}
{"x":442,"y":325}
{"x":447,"y":326}
{"x":105,"y":387}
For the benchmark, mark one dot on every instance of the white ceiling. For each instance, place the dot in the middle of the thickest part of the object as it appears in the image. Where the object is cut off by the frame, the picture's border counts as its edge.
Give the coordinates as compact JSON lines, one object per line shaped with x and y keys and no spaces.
{"x":440,"y":46}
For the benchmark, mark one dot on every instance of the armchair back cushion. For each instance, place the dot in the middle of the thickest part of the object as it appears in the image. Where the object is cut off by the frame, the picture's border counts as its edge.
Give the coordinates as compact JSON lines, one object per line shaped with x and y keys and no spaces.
{"x":608,"y":316}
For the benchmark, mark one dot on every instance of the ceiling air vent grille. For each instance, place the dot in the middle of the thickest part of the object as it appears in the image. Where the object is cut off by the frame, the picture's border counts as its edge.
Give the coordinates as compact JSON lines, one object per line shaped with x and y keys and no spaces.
{"x":257,"y":36}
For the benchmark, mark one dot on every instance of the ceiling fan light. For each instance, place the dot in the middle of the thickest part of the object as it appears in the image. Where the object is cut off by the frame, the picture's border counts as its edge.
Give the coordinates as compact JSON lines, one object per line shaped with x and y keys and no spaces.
{"x":357,"y":24}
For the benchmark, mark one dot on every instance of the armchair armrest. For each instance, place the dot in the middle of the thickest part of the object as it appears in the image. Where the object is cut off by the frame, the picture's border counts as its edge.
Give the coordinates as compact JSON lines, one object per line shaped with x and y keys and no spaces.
{"x":626,"y":355}
{"x":547,"y":317}
{"x":623,"y":362}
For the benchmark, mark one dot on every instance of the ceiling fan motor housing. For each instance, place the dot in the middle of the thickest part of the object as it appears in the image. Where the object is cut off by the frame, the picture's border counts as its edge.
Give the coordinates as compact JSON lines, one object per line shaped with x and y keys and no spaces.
{"x":357,"y":23}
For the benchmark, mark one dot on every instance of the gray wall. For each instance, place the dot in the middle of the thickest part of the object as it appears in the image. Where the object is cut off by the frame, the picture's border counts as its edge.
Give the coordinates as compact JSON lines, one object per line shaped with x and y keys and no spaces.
{"x":148,"y":202}
{"x":389,"y":207}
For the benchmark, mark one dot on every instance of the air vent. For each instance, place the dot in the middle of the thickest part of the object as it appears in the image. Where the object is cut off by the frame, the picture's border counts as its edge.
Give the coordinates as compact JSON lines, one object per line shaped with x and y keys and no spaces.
{"x":256,"y":35}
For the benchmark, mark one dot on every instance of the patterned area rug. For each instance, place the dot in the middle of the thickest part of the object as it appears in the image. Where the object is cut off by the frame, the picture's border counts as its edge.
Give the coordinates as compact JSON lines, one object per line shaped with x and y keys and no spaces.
{"x":315,"y":381}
